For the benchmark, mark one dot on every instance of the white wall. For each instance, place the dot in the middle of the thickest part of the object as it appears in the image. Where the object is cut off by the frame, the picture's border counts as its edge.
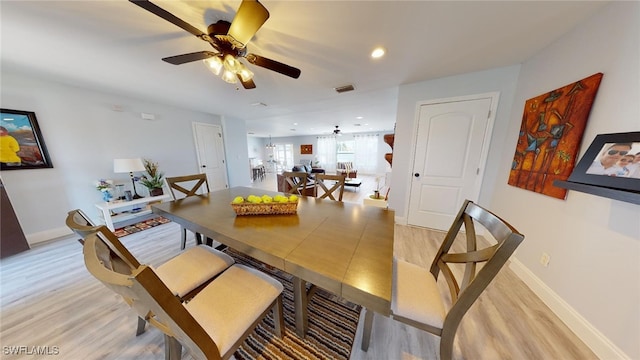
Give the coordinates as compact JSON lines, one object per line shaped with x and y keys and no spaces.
{"x":593,"y":279}
{"x":83,"y":135}
{"x":236,"y":149}
{"x":502,"y":80}
{"x":594,"y":242}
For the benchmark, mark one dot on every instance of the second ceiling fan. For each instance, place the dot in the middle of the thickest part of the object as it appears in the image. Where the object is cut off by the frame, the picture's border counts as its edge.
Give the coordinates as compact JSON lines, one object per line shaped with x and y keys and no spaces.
{"x":229,"y":40}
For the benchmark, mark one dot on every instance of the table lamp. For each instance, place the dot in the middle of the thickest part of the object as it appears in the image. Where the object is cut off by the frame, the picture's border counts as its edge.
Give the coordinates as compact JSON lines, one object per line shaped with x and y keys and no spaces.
{"x":129,"y":165}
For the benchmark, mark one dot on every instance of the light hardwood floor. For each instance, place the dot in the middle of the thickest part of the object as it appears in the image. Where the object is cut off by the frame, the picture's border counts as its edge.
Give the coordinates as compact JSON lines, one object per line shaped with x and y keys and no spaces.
{"x":49,"y":299}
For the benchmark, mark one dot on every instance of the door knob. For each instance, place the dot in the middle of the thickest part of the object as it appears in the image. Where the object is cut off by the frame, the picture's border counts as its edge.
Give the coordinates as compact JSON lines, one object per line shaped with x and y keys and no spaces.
{"x":416,"y":174}
{"x":204,"y":166}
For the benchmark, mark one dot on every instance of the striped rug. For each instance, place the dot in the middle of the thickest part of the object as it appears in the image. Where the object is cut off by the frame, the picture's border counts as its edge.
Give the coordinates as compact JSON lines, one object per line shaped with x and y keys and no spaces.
{"x":332,"y":324}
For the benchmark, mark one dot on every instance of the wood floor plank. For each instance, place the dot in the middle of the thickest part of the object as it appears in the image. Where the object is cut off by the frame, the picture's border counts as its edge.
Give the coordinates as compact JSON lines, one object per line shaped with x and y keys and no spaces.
{"x":47,"y":298}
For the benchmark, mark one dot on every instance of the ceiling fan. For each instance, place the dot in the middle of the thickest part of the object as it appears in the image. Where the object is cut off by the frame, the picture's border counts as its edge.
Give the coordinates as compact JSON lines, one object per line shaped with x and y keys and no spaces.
{"x":229,"y":40}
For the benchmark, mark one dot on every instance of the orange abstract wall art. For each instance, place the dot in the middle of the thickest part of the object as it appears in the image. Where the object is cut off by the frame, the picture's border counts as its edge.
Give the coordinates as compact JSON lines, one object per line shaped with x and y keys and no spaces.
{"x":550,"y":135}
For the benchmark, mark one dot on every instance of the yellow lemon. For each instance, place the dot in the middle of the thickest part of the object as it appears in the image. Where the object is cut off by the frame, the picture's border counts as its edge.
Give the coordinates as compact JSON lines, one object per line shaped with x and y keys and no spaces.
{"x":238,"y":200}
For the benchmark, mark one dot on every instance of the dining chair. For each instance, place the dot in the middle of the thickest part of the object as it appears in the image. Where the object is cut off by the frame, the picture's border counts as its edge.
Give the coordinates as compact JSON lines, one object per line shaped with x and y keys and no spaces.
{"x":336,"y":189}
{"x":213,"y":324}
{"x":185,"y":186}
{"x":416,"y":300}
{"x":185,"y":274}
{"x":298,"y":182}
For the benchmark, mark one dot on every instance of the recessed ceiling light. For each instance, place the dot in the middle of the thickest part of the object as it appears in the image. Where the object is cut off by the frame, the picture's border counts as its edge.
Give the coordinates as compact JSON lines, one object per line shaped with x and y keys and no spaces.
{"x":358,"y":117}
{"x":378,"y":52}
{"x":295,"y":123}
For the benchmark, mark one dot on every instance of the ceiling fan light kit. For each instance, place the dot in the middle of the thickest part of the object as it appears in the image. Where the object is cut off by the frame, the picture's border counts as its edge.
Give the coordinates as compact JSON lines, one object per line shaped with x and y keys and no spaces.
{"x":214,"y":64}
{"x":229,"y":40}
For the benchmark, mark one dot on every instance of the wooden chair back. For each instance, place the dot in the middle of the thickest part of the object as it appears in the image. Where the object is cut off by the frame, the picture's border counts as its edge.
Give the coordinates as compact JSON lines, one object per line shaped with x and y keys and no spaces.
{"x":178,"y":183}
{"x":80,"y":224}
{"x":149,"y":297}
{"x":77,"y":221}
{"x":298,"y":181}
{"x":337,"y":187}
{"x":465,"y":288}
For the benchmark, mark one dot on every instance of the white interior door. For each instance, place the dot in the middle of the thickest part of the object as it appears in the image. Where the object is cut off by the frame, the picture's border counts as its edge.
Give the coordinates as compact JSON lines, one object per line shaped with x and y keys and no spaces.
{"x":447,"y":169}
{"x":211,"y":157}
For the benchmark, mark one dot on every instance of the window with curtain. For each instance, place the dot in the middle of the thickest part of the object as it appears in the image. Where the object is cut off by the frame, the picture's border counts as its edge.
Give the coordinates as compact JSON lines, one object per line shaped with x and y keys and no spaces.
{"x":284,"y":156}
{"x":366,"y":153}
{"x":327,"y":153}
{"x":346,"y":151}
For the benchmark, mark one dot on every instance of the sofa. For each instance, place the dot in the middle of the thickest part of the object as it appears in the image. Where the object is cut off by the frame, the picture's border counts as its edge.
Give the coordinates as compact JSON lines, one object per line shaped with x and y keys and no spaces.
{"x":308,"y":169}
{"x":346,"y":168}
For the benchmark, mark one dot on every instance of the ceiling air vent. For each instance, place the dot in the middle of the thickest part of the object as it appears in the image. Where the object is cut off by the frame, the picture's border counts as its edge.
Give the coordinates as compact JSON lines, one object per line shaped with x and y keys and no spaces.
{"x":345,"y":88}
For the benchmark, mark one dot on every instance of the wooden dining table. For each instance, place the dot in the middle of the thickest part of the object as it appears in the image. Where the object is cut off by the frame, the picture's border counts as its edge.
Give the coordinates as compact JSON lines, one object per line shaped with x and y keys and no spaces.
{"x":344,"y":248}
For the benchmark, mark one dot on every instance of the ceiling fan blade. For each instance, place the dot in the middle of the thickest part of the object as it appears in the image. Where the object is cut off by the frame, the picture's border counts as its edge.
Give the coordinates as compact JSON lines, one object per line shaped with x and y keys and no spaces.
{"x":250,"y":17}
{"x":185,"y":58}
{"x":155,"y":9}
{"x":276,"y":66}
{"x":249,"y":84}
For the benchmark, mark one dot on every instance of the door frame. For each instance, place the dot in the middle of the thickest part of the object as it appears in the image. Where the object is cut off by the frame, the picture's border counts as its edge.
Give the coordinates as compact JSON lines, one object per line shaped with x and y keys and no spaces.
{"x":495,"y":97}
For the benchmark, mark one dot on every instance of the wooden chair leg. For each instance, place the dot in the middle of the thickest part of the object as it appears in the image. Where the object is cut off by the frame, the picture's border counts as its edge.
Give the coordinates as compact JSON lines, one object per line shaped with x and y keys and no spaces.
{"x":142,"y":323}
{"x":446,"y":344}
{"x":183,"y":245}
{"x":278,"y":317}
{"x":366,"y":329}
{"x":172,"y":348}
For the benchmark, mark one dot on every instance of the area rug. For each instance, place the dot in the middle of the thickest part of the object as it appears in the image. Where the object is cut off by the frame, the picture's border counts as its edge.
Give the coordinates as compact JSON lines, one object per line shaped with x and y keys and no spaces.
{"x":332,"y":324}
{"x":143,"y":225}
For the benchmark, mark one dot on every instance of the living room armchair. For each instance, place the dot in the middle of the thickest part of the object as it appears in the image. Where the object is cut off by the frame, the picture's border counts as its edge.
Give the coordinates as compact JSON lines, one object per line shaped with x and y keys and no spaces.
{"x":346,"y":168}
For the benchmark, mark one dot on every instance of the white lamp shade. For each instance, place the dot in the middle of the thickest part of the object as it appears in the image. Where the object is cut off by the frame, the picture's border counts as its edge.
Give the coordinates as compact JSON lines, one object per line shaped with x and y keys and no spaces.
{"x":127,"y":165}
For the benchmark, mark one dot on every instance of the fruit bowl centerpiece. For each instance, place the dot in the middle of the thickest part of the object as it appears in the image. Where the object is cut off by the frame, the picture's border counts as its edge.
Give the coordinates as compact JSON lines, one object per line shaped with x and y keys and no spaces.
{"x":265,"y":205}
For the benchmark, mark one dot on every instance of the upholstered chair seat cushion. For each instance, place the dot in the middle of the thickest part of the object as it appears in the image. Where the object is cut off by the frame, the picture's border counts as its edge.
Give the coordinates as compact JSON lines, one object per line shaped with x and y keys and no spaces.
{"x":228,"y":306}
{"x":192,"y":268}
{"x":415,"y":294}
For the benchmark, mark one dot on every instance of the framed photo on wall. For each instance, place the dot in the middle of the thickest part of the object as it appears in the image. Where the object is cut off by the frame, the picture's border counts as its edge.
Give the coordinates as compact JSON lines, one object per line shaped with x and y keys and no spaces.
{"x":21,"y":142}
{"x":612,"y":161}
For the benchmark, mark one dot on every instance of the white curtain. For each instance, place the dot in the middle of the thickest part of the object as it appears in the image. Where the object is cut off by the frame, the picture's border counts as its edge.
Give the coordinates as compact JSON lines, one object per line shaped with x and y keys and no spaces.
{"x":327,"y":153}
{"x":366,"y":153}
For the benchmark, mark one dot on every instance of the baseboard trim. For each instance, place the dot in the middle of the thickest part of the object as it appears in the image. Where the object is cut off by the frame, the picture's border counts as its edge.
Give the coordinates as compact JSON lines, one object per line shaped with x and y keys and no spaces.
{"x":592,"y":337}
{"x":47,"y":235}
{"x":401,"y":220}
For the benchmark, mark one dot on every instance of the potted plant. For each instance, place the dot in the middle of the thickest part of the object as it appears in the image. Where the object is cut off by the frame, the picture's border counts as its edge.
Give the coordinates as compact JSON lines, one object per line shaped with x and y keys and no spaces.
{"x":153,"y":181}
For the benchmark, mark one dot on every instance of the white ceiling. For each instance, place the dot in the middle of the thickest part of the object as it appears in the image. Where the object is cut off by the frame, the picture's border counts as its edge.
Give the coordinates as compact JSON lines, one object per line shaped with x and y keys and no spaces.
{"x":117,"y":46}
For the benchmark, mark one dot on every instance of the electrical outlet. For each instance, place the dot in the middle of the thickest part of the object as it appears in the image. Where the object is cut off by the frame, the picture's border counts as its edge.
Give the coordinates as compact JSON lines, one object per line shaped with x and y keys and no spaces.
{"x":544,"y":259}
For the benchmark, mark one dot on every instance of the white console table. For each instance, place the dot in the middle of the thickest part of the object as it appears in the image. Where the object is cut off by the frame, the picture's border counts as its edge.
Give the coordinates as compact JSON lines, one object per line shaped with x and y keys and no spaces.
{"x":127,"y":209}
